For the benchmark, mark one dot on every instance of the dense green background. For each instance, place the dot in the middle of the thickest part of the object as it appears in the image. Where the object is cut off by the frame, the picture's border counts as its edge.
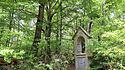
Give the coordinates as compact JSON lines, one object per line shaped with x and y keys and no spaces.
{"x":17,"y":31}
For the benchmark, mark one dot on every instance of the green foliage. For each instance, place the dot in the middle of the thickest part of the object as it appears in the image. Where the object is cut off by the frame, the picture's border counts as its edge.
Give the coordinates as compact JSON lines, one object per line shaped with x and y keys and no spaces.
{"x":109,"y":52}
{"x":17,"y":28}
{"x":111,"y":58}
{"x":9,"y":54}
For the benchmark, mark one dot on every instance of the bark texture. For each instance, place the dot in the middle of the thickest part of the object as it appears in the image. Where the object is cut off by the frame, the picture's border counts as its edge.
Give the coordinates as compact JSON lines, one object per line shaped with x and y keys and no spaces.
{"x":38,"y":30}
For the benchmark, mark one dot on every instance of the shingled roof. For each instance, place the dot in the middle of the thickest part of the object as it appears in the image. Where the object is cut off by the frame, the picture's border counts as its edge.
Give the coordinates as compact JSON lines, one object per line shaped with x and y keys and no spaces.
{"x":84,"y":31}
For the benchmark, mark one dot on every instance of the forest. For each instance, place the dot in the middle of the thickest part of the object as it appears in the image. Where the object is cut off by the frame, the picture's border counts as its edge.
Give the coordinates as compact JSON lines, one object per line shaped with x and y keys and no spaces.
{"x":38,"y":34}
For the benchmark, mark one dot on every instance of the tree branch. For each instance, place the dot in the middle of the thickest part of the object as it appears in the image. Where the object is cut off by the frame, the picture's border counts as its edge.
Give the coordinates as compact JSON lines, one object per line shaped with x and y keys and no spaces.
{"x":26,"y":11}
{"x":55,"y":4}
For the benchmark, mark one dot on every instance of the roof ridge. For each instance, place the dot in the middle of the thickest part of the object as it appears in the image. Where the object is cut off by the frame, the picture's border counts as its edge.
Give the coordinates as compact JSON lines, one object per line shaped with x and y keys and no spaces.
{"x":83,"y":30}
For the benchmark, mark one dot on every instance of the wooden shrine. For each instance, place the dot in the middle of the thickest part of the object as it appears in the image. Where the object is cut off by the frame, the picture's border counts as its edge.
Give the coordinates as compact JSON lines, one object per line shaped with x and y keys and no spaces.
{"x":80,"y":42}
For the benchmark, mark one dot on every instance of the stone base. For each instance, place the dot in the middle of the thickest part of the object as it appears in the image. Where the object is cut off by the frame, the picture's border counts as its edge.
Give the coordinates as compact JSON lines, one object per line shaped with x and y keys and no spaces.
{"x":81,"y":62}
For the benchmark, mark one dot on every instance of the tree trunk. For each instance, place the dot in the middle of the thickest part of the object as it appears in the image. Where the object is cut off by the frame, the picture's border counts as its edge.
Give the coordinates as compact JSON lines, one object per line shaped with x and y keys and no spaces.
{"x":38,"y":30}
{"x":60,"y":25}
{"x":90,"y":26}
{"x":59,"y":29}
{"x":48,"y":34}
{"x":57,"y":36}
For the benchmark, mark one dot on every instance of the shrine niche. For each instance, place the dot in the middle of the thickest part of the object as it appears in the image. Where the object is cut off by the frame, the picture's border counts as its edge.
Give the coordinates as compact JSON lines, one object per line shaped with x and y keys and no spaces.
{"x":80,"y":41}
{"x":80,"y":45}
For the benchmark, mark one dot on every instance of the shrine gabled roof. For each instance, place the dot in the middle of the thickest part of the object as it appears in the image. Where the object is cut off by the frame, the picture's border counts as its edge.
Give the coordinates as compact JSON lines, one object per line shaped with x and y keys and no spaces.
{"x":84,"y":31}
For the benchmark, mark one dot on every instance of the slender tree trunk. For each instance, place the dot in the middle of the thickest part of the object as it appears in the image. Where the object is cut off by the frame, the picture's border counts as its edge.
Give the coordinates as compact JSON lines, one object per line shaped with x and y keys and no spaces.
{"x":38,"y":30}
{"x":48,"y":34}
{"x":8,"y":42}
{"x":57,"y":35}
{"x":102,"y":22}
{"x":59,"y":29}
{"x":90,"y":26}
{"x":11,"y":17}
{"x":60,"y":40}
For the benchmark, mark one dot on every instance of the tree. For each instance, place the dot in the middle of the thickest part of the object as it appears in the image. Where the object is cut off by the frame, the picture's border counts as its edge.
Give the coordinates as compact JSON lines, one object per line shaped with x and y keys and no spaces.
{"x":39,"y":29}
{"x":47,"y":26}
